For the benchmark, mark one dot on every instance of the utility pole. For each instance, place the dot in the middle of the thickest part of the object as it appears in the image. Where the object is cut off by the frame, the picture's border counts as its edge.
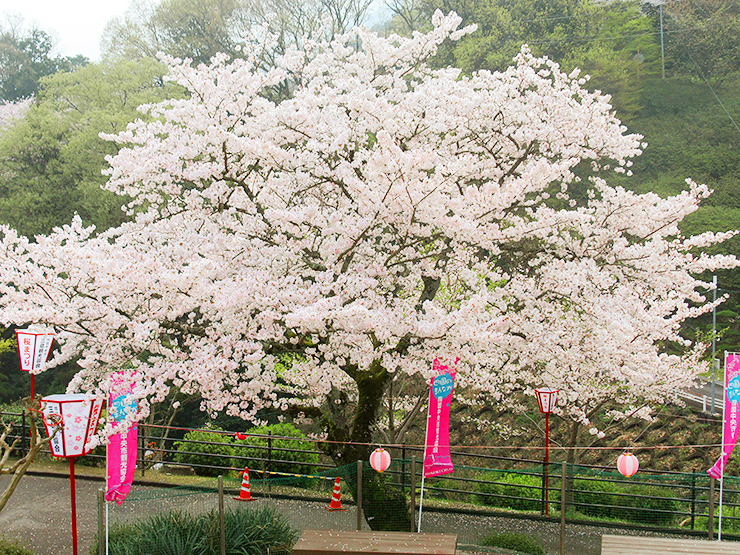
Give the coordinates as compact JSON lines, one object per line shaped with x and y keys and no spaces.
{"x":714,"y":341}
{"x":662,"y":58}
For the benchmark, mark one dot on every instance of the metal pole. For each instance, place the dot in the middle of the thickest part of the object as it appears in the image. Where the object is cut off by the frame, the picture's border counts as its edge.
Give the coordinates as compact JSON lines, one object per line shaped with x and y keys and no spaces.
{"x":724,"y":466}
{"x":693,"y":498}
{"x":547,"y":461}
{"x":563,"y":486}
{"x":662,"y":48}
{"x":73,"y":498}
{"x":412,"y":505}
{"x":710,"y":516}
{"x":714,"y":341}
{"x":359,"y":495}
{"x":222,"y":514}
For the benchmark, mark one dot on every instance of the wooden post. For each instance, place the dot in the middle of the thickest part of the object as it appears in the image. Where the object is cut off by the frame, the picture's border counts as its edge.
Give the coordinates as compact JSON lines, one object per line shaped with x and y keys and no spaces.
{"x":101,"y":521}
{"x":359,"y":495}
{"x":222,"y":514}
{"x":412,"y":504}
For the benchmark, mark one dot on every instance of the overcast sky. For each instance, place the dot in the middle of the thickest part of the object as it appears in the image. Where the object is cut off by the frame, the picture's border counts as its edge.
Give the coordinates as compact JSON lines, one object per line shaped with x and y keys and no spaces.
{"x":76,"y":24}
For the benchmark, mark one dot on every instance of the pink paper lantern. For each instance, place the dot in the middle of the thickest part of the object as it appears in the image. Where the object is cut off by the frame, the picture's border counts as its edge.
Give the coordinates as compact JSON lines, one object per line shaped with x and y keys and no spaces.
{"x":627,"y":464}
{"x":380,"y":459}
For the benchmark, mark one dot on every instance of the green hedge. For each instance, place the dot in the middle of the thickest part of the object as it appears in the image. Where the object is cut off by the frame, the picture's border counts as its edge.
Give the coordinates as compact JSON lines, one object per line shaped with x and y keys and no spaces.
{"x":9,"y":547}
{"x":248,"y":532}
{"x":521,"y":543}
{"x":641,"y":503}
{"x":217,"y":450}
{"x":521,"y":492}
{"x":299,"y":460}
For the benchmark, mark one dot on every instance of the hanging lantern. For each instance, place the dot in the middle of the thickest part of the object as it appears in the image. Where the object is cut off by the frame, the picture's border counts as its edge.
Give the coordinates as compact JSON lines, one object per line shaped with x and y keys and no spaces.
{"x":77,"y":415}
{"x":380,"y":459}
{"x":627,"y":464}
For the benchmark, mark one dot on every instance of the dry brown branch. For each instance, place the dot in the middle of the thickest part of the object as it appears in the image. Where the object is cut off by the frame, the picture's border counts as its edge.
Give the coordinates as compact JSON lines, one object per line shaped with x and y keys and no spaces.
{"x":19,"y":467}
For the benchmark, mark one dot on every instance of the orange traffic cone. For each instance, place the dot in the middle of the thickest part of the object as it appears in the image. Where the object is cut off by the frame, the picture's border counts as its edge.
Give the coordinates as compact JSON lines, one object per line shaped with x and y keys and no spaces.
{"x":246,"y":492}
{"x":336,"y":498}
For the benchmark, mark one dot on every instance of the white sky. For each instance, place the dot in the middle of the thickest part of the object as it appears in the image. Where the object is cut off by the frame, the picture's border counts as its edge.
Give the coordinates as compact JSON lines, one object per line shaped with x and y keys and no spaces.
{"x":76,"y":25}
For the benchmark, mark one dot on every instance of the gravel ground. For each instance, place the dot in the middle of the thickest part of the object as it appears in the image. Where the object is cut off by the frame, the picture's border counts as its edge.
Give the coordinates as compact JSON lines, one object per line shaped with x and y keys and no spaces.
{"x":39,"y":515}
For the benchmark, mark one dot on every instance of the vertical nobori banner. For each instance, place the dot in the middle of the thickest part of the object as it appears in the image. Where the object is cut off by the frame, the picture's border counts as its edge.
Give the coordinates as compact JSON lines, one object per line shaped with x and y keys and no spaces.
{"x":731,"y":413}
{"x":437,"y":459}
{"x":122,"y":447}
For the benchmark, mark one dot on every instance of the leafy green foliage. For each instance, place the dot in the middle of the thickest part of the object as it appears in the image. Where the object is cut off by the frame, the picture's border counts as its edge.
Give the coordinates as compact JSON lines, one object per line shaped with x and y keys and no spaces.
{"x":640,"y":503}
{"x":204,"y":449}
{"x":248,"y":532}
{"x":52,"y":159}
{"x":703,"y":37}
{"x":522,"y":543}
{"x":288,"y":455}
{"x":25,"y":58}
{"x":612,"y":42}
{"x":9,"y":547}
{"x":520,"y":492}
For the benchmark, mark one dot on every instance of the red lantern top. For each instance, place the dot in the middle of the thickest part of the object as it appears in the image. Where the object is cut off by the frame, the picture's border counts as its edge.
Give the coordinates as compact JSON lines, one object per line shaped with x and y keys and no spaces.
{"x":380,"y":459}
{"x":547,"y":398}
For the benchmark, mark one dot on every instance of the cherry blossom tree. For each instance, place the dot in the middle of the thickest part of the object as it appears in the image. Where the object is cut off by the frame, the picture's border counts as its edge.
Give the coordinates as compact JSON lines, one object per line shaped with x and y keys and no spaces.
{"x":10,"y":112}
{"x":290,"y":250}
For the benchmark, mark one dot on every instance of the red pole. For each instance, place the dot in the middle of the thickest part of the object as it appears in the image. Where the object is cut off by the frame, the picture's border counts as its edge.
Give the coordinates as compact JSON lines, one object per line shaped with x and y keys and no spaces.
{"x":547,"y":461}
{"x":74,"y":504}
{"x":33,"y":392}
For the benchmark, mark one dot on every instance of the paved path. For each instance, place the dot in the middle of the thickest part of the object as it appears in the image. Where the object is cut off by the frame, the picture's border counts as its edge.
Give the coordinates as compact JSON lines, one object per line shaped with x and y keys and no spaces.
{"x":39,"y":514}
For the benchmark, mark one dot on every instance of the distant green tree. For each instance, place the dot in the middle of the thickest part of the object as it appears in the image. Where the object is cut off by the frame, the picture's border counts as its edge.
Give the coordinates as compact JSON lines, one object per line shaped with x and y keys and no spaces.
{"x":615,"y":43}
{"x":53,"y":158}
{"x":25,"y":58}
{"x":199,"y":29}
{"x":703,"y":37}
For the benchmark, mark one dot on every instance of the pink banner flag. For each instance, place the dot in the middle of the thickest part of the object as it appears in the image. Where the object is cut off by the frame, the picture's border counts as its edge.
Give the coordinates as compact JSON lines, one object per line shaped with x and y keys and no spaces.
{"x":122,"y":447}
{"x":731,"y":416}
{"x":437,"y":459}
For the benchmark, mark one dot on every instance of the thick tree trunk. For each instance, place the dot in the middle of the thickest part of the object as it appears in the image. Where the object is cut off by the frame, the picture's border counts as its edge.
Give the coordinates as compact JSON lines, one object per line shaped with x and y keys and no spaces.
{"x":384,"y":505}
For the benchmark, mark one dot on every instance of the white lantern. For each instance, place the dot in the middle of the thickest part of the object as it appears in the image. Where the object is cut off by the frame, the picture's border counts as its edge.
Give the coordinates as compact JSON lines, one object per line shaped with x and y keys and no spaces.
{"x":380,"y":459}
{"x":547,"y":398}
{"x":77,"y":416}
{"x":33,"y":349}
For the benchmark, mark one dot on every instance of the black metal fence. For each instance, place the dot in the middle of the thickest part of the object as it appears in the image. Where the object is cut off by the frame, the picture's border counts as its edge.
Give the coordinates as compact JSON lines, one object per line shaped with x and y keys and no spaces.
{"x":665,"y":502}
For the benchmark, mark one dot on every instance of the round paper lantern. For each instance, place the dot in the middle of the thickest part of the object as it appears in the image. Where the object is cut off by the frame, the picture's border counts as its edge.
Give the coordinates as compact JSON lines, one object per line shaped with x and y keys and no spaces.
{"x":380,"y":459}
{"x":627,"y":464}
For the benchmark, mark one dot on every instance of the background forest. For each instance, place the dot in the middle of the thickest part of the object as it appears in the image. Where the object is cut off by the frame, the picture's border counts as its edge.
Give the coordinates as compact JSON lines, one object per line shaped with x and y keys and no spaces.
{"x":672,"y":70}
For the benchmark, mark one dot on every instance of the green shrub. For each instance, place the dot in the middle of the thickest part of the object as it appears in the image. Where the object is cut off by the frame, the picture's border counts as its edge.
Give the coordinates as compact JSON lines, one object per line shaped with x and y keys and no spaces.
{"x":248,"y":532}
{"x":640,"y":503}
{"x":298,"y":460}
{"x":521,"y":492}
{"x":216,"y":450}
{"x":256,"y":532}
{"x":522,"y":543}
{"x":434,"y":488}
{"x":9,"y":547}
